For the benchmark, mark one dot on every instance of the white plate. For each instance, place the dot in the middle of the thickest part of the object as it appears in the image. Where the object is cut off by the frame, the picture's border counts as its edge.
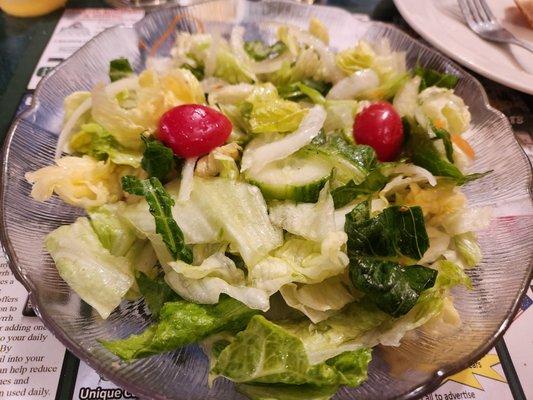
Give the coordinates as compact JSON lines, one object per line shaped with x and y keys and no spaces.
{"x":441,"y":23}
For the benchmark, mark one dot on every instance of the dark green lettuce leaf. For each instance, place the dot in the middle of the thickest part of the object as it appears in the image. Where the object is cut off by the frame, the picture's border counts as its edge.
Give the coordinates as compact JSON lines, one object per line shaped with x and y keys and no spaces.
{"x":260,"y":51}
{"x":160,"y":204}
{"x":424,"y":154}
{"x":431,"y":77}
{"x":446,"y":140}
{"x":181,"y":323}
{"x":393,"y":288}
{"x":158,"y":159}
{"x":351,"y":161}
{"x":156,"y":292}
{"x":396,"y":231}
{"x":119,"y":69}
{"x":373,"y":183}
{"x":307,"y":88}
{"x":267,"y":353}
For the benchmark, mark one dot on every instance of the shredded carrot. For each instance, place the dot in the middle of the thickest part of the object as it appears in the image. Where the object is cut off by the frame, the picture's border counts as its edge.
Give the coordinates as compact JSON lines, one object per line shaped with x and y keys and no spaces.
{"x":170,"y":29}
{"x":143,"y":45}
{"x":464,"y":146}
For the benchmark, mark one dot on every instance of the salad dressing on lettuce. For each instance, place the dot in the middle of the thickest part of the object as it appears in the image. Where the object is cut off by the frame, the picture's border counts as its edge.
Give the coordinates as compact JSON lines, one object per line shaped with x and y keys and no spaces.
{"x":225,"y":180}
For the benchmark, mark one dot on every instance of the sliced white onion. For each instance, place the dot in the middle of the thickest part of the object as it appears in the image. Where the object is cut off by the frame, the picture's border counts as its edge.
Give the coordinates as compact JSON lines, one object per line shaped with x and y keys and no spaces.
{"x":353,"y":85}
{"x":326,"y":56}
{"x":187,"y":176}
{"x":309,"y":127}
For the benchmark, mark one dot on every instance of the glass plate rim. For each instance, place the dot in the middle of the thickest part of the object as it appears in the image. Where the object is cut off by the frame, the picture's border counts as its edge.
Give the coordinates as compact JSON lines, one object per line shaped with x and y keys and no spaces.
{"x":429,"y":385}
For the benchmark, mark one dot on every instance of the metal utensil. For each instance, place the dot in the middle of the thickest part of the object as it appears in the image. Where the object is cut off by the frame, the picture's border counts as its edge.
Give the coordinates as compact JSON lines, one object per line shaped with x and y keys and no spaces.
{"x":482,"y":21}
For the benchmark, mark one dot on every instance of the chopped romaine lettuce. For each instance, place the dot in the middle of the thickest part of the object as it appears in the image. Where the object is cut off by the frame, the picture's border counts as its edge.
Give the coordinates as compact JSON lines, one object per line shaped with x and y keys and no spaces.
{"x":181,"y":323}
{"x":156,"y":292}
{"x":266,"y":353}
{"x":158,"y":159}
{"x":374,"y":182}
{"x":350,"y":161}
{"x":160,"y":205}
{"x":430,"y":77}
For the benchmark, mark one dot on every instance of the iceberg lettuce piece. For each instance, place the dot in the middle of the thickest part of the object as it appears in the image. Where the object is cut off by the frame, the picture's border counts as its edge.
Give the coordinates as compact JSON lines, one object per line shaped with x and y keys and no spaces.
{"x":351,"y":162}
{"x":98,"y":277}
{"x":216,"y":275}
{"x":115,"y":234}
{"x":313,"y":221}
{"x":240,"y":212}
{"x":341,"y":116}
{"x":468,"y":219}
{"x":93,"y":140}
{"x":265,"y":112}
{"x":468,"y":248}
{"x":317,"y":301}
{"x":197,"y":227}
{"x":230,"y":68}
{"x":301,"y":261}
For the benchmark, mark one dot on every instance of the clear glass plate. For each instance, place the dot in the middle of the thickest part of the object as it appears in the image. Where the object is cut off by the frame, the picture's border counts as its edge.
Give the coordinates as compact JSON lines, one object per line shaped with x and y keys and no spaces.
{"x":409,"y":371}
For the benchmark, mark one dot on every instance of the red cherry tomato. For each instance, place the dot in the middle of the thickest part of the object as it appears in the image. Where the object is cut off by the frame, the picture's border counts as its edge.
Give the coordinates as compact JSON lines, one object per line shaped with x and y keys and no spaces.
{"x":380,"y":127}
{"x":192,"y":130}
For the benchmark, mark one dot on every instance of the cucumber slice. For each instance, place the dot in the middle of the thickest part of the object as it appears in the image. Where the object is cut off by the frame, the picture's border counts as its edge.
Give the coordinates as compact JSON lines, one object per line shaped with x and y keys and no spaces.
{"x":298,"y":178}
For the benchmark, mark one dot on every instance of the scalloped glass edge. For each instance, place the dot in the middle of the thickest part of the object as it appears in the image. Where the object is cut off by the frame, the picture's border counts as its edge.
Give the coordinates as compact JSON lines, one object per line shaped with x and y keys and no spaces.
{"x":423,"y":388}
